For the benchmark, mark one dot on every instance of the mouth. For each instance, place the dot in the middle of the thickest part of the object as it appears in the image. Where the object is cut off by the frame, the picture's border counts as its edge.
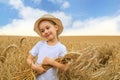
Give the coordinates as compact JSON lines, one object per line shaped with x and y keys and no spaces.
{"x":47,"y":35}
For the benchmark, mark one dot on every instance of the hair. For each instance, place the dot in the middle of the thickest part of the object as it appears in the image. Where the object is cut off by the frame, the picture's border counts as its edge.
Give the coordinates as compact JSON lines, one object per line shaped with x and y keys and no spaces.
{"x":52,"y":22}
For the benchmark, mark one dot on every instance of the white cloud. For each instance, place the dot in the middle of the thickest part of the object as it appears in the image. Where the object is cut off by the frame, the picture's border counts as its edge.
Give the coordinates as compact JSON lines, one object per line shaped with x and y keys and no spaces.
{"x":4,"y":1}
{"x":24,"y":26}
{"x":92,"y":26}
{"x":56,"y":1}
{"x":78,"y":24}
{"x":99,"y":26}
{"x":65,"y":5}
{"x":18,"y":27}
{"x":29,"y":13}
{"x":17,"y":4}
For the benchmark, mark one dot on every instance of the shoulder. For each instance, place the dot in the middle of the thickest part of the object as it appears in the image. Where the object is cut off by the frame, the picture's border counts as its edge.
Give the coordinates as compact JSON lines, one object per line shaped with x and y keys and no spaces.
{"x":62,"y":46}
{"x":62,"y":49}
{"x":40,"y":43}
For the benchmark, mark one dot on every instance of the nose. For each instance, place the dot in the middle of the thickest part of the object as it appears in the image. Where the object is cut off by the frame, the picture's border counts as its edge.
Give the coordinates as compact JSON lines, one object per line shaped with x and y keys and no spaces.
{"x":46,"y":31}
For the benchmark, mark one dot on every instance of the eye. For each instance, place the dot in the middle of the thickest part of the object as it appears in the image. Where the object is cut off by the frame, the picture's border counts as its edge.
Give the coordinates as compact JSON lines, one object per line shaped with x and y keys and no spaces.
{"x":47,"y":27}
{"x":42,"y":30}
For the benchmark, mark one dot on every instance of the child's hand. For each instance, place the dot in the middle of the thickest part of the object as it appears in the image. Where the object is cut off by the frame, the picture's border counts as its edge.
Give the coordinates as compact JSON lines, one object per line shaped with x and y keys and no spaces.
{"x":66,"y":67}
{"x":38,"y":68}
{"x":47,"y":61}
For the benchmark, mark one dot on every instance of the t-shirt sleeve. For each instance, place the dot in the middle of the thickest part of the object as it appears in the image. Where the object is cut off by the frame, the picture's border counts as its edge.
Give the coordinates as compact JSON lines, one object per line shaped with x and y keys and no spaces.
{"x":63,"y":51}
{"x":35,"y":50}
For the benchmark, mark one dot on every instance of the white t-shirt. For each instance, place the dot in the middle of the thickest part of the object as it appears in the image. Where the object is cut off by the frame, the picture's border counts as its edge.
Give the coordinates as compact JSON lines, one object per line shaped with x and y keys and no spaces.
{"x":42,"y":50}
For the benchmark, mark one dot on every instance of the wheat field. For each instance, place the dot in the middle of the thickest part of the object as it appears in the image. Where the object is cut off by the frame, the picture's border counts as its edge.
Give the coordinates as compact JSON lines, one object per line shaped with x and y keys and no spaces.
{"x":98,"y":57}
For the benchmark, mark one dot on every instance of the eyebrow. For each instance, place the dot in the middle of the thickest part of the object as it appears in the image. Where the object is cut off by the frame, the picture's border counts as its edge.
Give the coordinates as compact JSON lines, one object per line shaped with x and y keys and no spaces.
{"x":45,"y":27}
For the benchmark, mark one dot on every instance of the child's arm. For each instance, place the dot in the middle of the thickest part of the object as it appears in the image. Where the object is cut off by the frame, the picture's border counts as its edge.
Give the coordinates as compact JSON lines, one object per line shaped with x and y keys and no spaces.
{"x":49,"y":61}
{"x":30,"y":60}
{"x":38,"y":68}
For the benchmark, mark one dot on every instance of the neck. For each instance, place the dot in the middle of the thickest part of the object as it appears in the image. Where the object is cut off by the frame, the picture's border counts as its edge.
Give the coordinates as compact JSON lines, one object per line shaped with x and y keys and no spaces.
{"x":52,"y":41}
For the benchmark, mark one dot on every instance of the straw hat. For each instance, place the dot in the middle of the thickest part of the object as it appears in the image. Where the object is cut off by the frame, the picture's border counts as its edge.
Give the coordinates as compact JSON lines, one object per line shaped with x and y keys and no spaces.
{"x":48,"y":17}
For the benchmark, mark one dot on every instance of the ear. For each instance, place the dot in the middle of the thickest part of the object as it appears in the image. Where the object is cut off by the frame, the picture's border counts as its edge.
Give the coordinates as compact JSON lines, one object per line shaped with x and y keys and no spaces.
{"x":56,"y":27}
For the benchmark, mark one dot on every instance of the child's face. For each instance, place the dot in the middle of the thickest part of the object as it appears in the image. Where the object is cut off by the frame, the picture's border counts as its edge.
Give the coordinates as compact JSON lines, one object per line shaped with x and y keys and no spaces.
{"x":48,"y":30}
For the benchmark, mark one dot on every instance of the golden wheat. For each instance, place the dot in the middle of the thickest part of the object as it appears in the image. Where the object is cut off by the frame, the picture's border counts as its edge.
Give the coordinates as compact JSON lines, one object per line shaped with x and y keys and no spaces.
{"x":88,"y":59}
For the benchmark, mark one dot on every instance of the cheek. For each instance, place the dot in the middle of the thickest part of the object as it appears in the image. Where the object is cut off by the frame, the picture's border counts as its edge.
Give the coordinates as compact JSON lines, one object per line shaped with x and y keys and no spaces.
{"x":42,"y":34}
{"x":54,"y":32}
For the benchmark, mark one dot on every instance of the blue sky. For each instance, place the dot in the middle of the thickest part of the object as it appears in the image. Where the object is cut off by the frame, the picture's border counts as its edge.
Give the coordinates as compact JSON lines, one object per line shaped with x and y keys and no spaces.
{"x":79,"y":17}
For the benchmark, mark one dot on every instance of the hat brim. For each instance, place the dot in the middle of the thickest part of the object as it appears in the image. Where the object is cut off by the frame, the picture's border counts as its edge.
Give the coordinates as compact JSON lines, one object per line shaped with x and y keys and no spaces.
{"x":56,"y":20}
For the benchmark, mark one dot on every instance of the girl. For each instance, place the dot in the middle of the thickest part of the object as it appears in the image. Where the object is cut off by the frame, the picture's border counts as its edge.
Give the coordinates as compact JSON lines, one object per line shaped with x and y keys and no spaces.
{"x":48,"y":27}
